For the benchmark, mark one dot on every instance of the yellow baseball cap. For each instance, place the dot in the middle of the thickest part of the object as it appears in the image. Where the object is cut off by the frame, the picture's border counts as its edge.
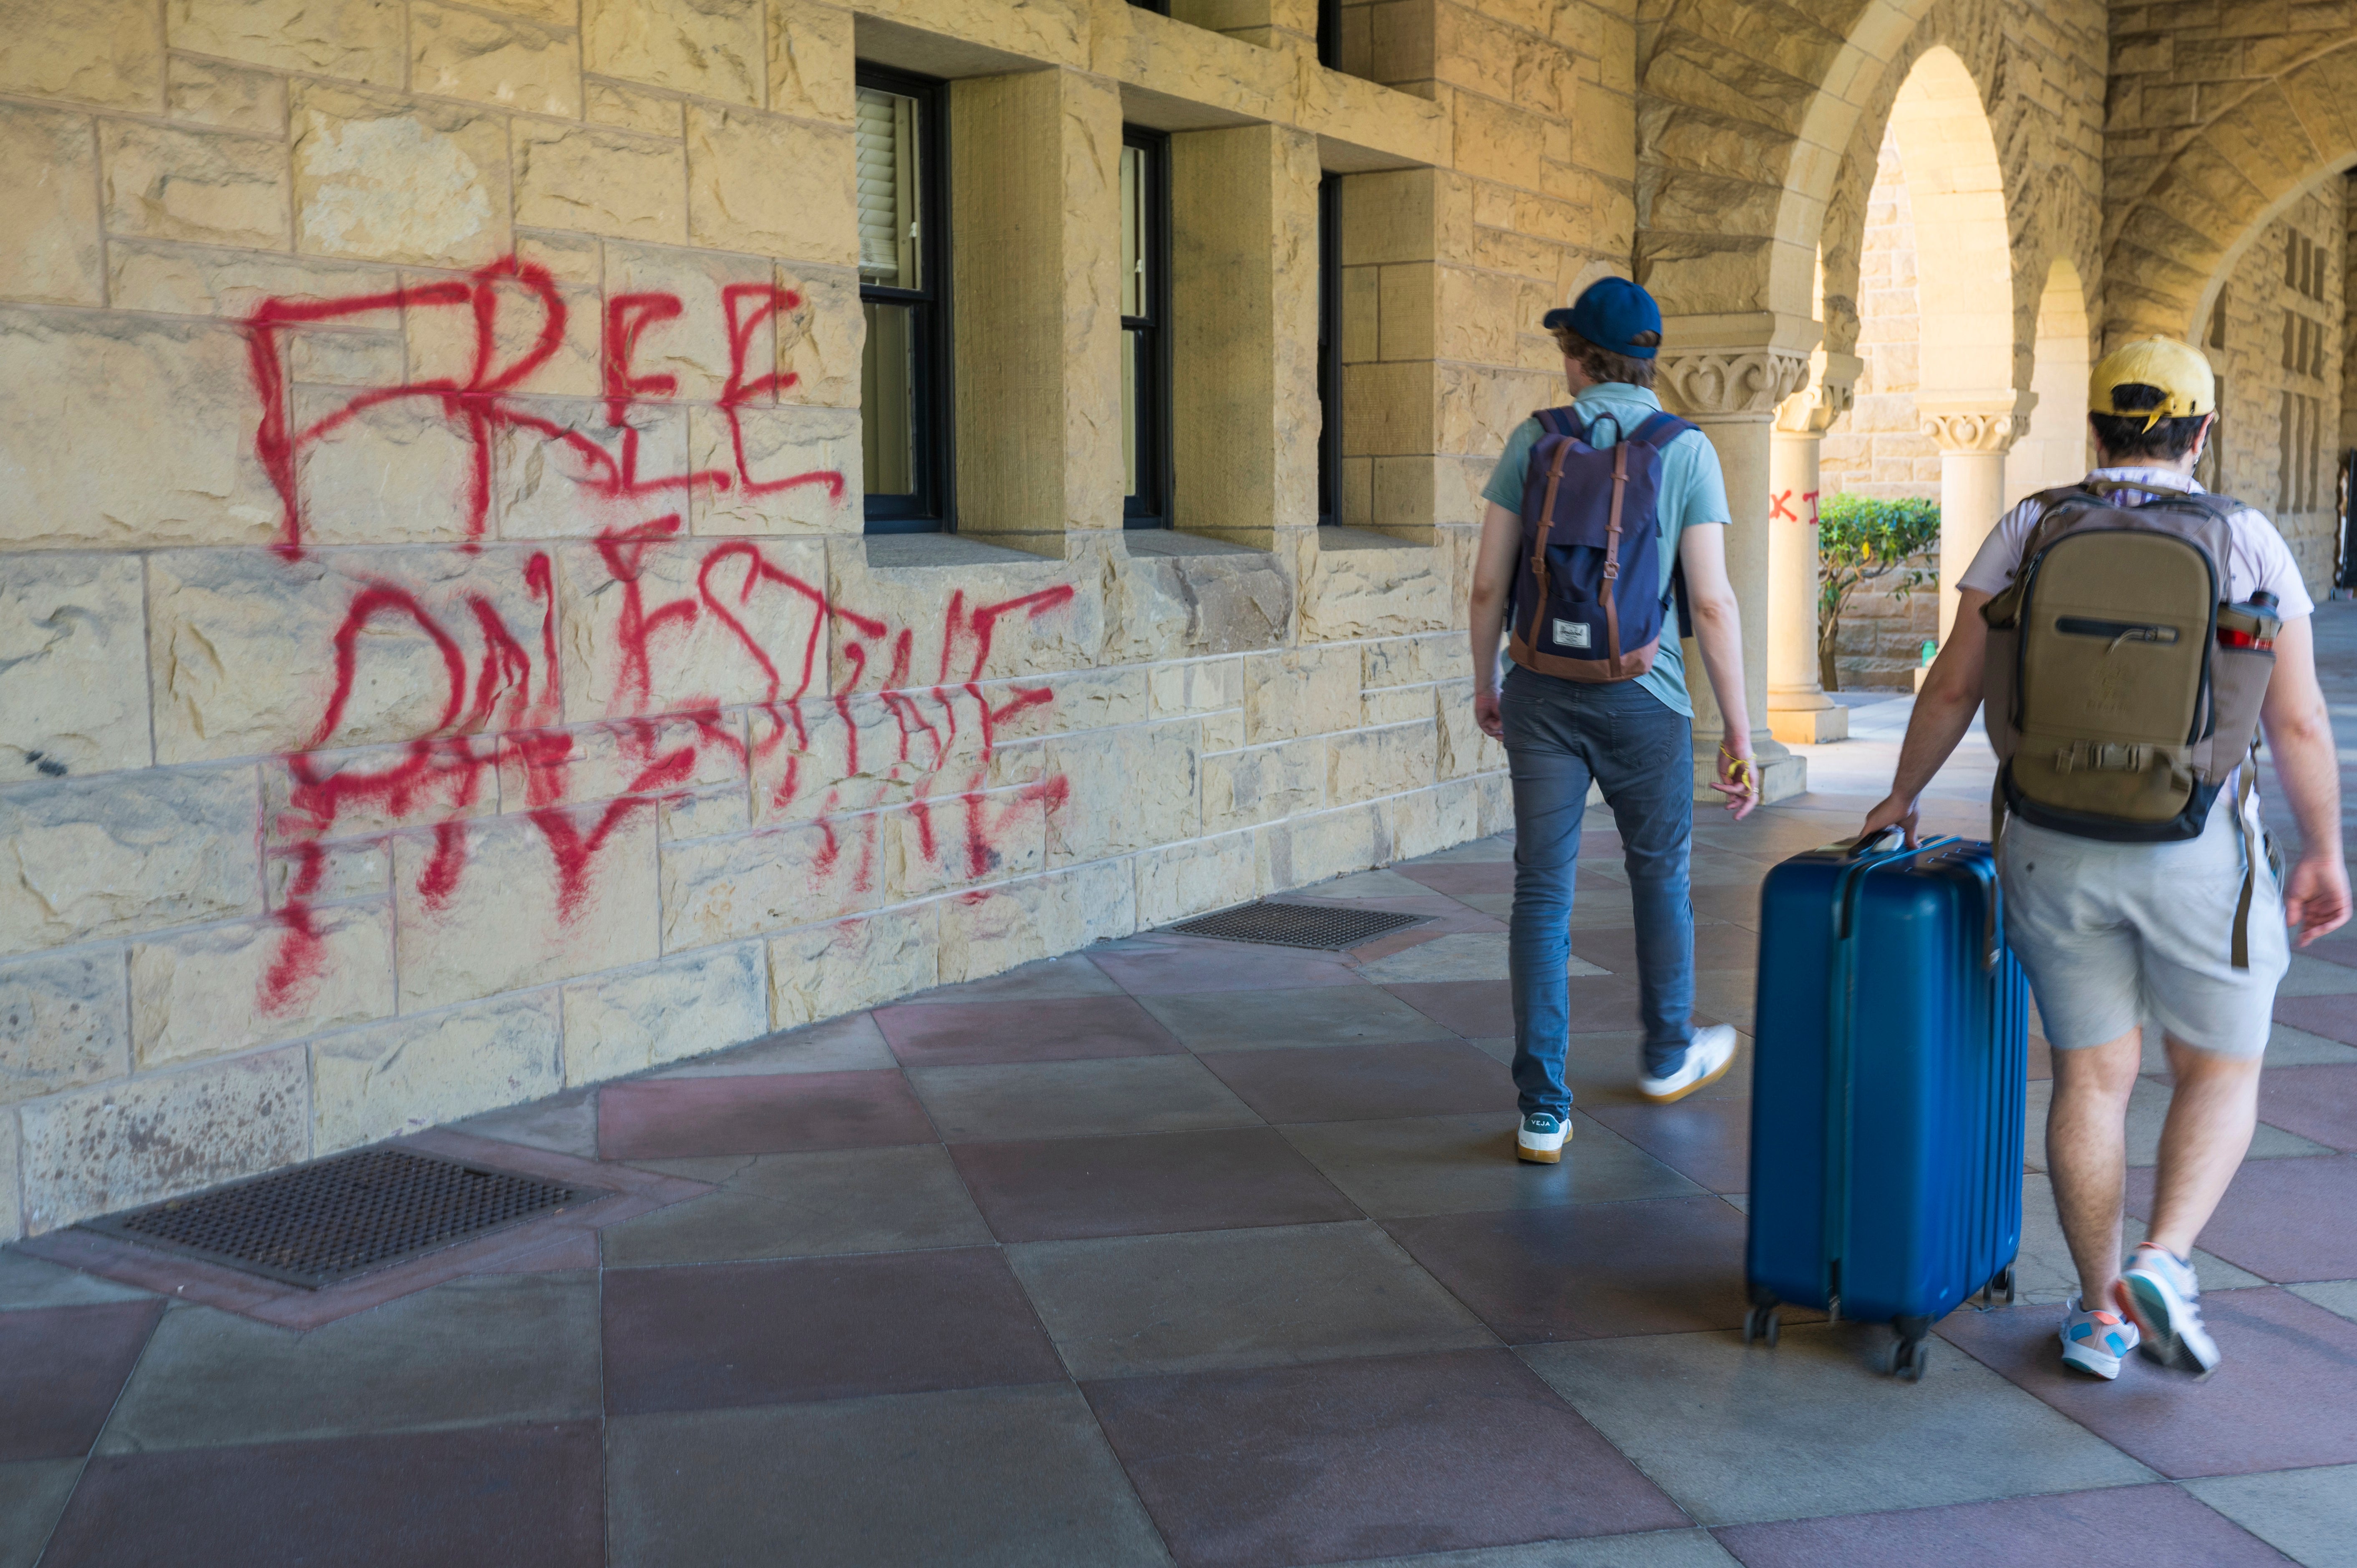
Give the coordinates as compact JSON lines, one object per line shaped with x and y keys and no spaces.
{"x":2179,"y":370}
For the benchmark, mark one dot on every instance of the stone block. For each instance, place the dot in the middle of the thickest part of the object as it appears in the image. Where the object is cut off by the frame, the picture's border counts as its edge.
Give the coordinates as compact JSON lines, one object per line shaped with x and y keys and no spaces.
{"x":1415,"y":660}
{"x":1388,"y":408}
{"x":12,"y":1197}
{"x":1195,"y":686}
{"x":1464,"y":749}
{"x":124,"y":853}
{"x":357,"y":40}
{"x":1368,"y":763}
{"x":712,"y":48}
{"x":325,"y":874}
{"x":1011,"y":618}
{"x":821,"y":758}
{"x":820,"y":336}
{"x":49,"y":186}
{"x":823,"y":972}
{"x":1184,"y":879}
{"x":703,"y":813}
{"x":601,"y":182}
{"x":441,"y":343}
{"x":1376,"y":592}
{"x":1498,"y":140}
{"x":493,"y":59}
{"x":1496,"y":795}
{"x":783,"y":188}
{"x":248,"y":649}
{"x":106,"y":52}
{"x":1391,"y":217}
{"x":183,"y":472}
{"x":601,"y":762}
{"x":735,"y":625}
{"x":183,"y":280}
{"x":501,"y":903}
{"x":1123,"y":791}
{"x":1090,"y":699}
{"x":73,"y":666}
{"x":692,"y":348}
{"x":811,"y":60}
{"x":392,"y":180}
{"x":720,"y":890}
{"x":64,"y":1023}
{"x":1430,"y":820}
{"x":545,"y":487}
{"x":1300,"y":691}
{"x":206,"y":185}
{"x":255,"y":983}
{"x":1303,"y":850}
{"x":334,"y":356}
{"x":943,"y":842}
{"x":627,"y":1023}
{"x":804,"y":464}
{"x":1156,"y":607}
{"x":395,"y":473}
{"x":212,"y":93}
{"x":1263,"y":784}
{"x":992,"y":929}
{"x":312,"y":796}
{"x":405,"y":1076}
{"x":627,"y":109}
{"x":127,"y":1143}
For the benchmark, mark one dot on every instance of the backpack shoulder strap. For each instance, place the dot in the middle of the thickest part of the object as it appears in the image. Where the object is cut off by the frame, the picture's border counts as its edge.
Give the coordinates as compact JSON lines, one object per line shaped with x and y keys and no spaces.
{"x":1560,"y":421}
{"x":1659,"y":429}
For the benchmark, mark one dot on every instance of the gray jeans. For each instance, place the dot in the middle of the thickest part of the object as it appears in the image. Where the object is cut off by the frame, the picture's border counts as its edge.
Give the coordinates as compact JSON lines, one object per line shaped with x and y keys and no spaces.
{"x":1560,"y":736}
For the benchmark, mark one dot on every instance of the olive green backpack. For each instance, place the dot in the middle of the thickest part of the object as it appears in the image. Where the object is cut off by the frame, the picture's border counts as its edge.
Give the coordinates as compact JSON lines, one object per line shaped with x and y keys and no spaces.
{"x":2121,"y":692}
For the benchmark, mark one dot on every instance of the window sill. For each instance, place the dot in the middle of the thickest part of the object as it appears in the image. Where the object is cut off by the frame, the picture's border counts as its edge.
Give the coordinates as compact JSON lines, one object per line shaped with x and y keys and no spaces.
{"x":897,"y":551}
{"x":1165,"y":542}
{"x":1335,"y":536}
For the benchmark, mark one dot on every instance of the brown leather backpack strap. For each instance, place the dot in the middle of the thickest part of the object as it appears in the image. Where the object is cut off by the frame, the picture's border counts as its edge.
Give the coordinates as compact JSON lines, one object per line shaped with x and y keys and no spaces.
{"x":2241,"y":950}
{"x":1612,"y":555}
{"x":1539,"y":538}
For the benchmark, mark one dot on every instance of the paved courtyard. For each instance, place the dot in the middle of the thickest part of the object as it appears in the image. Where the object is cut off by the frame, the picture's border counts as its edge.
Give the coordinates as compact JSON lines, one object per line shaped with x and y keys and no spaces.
{"x":1184,"y":1251}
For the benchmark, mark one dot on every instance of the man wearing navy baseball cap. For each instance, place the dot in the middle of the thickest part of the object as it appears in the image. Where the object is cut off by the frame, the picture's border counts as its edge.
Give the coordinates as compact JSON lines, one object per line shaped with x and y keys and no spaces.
{"x":1594,"y":512}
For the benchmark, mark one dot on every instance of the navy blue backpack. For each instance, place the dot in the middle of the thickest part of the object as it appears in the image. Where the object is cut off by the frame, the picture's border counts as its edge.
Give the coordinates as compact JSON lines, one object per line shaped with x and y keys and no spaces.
{"x":1586,"y":601}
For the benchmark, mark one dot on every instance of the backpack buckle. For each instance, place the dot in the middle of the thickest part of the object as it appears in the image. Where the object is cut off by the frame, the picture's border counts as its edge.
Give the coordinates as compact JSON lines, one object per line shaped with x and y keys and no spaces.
{"x":2102,"y":756}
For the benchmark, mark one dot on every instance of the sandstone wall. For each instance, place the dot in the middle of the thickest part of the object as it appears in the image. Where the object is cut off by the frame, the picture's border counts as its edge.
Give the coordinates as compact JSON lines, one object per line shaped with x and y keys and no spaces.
{"x":439,"y":660}
{"x":1877,"y":447}
{"x":2278,"y":350}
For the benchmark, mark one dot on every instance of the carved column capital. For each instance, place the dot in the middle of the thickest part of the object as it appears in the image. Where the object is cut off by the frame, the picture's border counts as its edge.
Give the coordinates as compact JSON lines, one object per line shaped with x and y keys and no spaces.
{"x":1988,"y":427}
{"x":1731,"y":384}
{"x":1833,"y":387}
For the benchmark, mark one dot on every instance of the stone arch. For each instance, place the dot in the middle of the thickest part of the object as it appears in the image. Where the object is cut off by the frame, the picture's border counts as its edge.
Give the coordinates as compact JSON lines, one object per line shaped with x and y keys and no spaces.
{"x":2173,"y":242}
{"x":1964,"y":280}
{"x":2054,"y":450}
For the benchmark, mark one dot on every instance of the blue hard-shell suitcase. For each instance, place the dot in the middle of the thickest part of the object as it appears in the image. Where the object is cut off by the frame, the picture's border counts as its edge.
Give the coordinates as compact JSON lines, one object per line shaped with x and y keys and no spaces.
{"x":1891,"y":1064}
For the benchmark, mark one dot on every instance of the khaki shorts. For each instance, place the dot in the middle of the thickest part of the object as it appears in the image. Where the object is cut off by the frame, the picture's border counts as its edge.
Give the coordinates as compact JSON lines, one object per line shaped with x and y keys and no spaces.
{"x":2114,"y":934}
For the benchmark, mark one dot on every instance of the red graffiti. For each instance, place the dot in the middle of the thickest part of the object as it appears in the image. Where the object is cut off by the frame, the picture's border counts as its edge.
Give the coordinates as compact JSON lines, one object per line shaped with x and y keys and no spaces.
{"x":1779,"y":508}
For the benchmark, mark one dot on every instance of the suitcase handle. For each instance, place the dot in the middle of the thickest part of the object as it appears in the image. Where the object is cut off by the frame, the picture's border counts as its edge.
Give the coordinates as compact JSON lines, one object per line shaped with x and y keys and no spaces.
{"x":1871,"y":843}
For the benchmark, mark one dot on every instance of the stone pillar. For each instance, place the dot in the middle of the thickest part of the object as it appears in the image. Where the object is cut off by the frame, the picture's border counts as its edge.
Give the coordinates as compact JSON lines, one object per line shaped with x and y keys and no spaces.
{"x":1799,"y":712}
{"x":1974,"y":435}
{"x":1732,"y":392}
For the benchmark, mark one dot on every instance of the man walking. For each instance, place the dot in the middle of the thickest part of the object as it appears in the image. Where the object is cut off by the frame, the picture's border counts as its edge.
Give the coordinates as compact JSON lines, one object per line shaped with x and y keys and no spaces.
{"x":1590,"y":700}
{"x":2114,"y":922}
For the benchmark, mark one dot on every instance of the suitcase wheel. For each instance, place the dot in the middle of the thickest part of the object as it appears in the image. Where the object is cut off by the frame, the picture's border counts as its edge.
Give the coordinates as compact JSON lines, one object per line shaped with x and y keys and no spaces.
{"x":1999,"y":1291}
{"x":1760,"y":1323}
{"x":1908,"y":1358}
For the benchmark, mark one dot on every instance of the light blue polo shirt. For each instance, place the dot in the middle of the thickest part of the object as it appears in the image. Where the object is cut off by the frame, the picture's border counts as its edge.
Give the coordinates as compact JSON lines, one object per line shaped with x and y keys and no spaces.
{"x":1692,"y":493}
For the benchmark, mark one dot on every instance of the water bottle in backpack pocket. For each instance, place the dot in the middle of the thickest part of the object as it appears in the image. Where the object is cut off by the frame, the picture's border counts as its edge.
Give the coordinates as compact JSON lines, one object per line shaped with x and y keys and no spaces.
{"x":1589,"y":601}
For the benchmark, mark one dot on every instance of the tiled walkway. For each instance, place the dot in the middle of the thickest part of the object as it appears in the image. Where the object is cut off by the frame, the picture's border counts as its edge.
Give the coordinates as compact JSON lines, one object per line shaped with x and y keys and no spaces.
{"x":1183,"y":1251}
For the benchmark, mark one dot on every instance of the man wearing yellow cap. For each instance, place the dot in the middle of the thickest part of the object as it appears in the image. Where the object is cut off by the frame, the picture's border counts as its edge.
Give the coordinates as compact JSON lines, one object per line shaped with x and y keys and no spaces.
{"x":2189,"y":934}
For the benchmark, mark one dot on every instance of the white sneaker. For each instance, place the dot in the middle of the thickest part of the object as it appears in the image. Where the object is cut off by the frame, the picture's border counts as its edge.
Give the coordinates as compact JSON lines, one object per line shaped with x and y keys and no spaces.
{"x":1708,"y":1056}
{"x":2096,"y":1341}
{"x":2161,"y":1293}
{"x":1541,"y":1138}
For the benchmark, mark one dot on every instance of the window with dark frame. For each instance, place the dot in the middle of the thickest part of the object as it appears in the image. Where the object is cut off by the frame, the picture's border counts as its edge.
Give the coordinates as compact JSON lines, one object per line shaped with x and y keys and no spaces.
{"x":1146,"y":327}
{"x":904,"y":370}
{"x":1330,"y":347}
{"x":1329,"y":34}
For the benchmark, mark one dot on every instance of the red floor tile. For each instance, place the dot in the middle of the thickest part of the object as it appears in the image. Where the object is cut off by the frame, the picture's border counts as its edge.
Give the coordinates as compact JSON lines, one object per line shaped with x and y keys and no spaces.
{"x":61,"y":1368}
{"x":2319,"y":1102}
{"x":1484,"y":1009}
{"x":774,"y":1114}
{"x":2285,"y":1397}
{"x":1376,"y":1458}
{"x":499,"y":1497}
{"x":2152,"y":1527}
{"x":967,"y":1034}
{"x":1589,"y":1270}
{"x":1056,"y":1189}
{"x":1185,"y":965}
{"x":2287,"y":1220}
{"x":1706,"y":1141}
{"x":818,"y":1329}
{"x":1715,"y":947}
{"x":2334,"y":1017}
{"x":1353,"y":1083}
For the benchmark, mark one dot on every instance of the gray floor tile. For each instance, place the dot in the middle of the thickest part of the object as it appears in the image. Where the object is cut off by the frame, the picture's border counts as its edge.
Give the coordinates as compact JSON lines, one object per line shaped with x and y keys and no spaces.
{"x":1312,"y":1016}
{"x":565,"y":1123}
{"x":850,"y":1044}
{"x":1047,"y":979}
{"x":2317,"y":977}
{"x":789,"y":1206}
{"x":1207,"y":1299}
{"x":1365,"y":885}
{"x":2288,"y":1046}
{"x":1067,"y":1100}
{"x":2309,"y":1516}
{"x":1459,"y":1165}
{"x":28,"y":1282}
{"x":1738,"y":1434}
{"x":33,"y":1493}
{"x":2044,"y":1273}
{"x":1004,"y":1477}
{"x":506,"y":1348}
{"x":2333,"y":1295}
{"x":1460,"y":955}
{"x":2147,"y":1109}
{"x":1497,"y":846}
{"x":1653,"y":1549}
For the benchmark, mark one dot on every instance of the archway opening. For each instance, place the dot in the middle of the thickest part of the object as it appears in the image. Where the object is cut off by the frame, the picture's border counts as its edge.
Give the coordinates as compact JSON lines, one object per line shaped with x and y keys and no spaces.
{"x":2055,"y":452}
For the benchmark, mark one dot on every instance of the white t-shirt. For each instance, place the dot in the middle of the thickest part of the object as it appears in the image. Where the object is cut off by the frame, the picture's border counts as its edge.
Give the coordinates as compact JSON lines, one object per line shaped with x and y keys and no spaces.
{"x":2261,"y":558}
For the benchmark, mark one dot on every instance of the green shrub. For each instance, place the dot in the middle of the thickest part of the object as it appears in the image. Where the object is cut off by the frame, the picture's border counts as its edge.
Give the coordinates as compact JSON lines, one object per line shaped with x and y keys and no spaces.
{"x":1860,"y":541}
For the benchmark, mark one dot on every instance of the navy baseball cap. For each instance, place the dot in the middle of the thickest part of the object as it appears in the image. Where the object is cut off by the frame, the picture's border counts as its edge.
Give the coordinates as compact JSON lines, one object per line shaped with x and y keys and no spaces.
{"x":1609,"y":313}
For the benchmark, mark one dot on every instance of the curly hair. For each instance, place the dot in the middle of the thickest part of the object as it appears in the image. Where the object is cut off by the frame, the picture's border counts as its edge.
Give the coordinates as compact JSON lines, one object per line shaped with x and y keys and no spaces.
{"x":1603,"y":365}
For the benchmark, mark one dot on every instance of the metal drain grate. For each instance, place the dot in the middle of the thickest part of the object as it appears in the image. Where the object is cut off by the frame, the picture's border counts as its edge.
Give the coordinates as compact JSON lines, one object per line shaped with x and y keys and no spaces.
{"x":1297,"y":925}
{"x":323,"y":1223}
